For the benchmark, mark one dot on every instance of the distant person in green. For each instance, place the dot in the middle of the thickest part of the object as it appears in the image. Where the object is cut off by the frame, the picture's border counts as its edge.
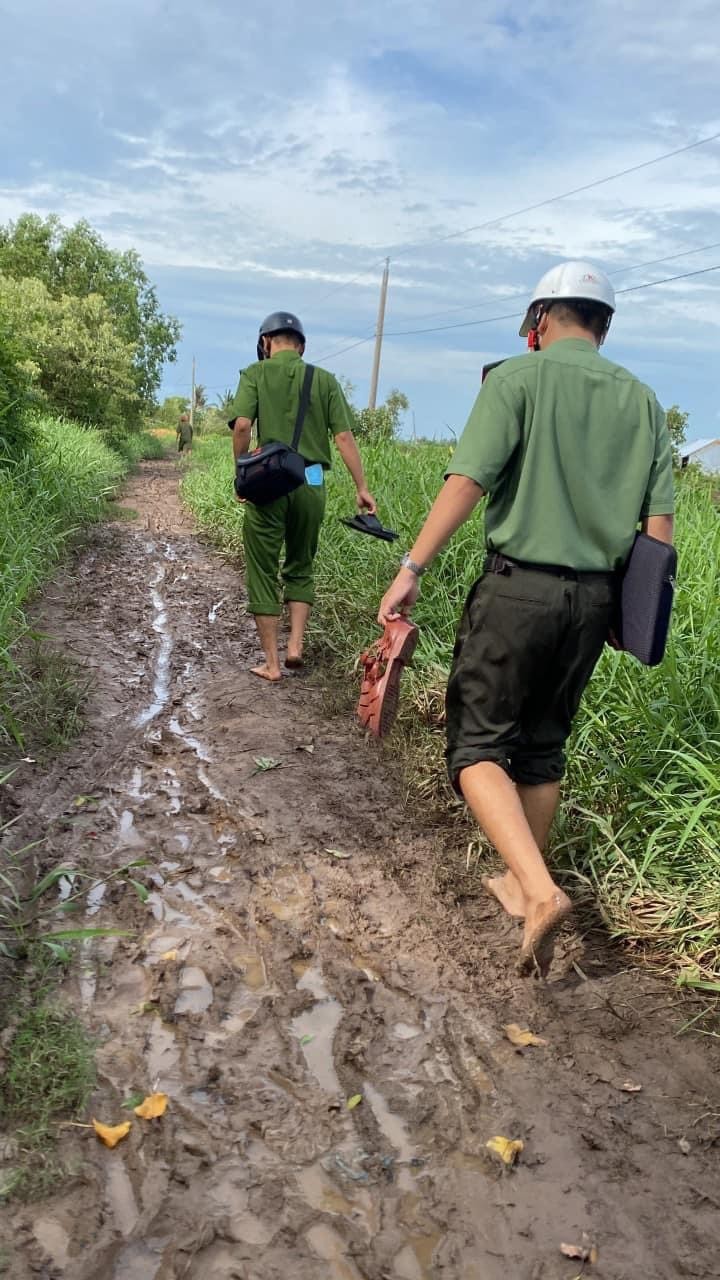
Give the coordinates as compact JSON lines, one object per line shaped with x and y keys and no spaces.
{"x":184,"y":433}
{"x":573,"y":453}
{"x":269,"y":393}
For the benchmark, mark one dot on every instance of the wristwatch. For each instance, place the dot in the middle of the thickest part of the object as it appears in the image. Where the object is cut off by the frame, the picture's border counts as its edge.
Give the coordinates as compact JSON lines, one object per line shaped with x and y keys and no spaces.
{"x":417,"y":569}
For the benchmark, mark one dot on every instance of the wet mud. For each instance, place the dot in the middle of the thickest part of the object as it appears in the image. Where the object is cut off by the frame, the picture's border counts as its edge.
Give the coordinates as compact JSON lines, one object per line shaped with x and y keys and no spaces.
{"x":266,"y":981}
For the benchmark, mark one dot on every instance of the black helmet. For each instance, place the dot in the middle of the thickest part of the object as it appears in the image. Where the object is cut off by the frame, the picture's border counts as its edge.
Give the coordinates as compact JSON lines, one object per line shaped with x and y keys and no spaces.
{"x":279,"y":322}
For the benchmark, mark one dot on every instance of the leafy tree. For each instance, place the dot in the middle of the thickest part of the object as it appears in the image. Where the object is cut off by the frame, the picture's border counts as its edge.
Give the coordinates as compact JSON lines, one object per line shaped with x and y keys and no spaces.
{"x":15,"y":390}
{"x":76,"y":261}
{"x":383,"y":423}
{"x":223,"y":402}
{"x":677,"y":427}
{"x":72,"y":354}
{"x":200,"y":396}
{"x":168,"y":414}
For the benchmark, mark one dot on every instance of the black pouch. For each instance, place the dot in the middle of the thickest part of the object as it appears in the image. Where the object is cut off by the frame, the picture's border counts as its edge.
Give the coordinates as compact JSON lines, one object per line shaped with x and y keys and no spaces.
{"x":275,"y":469}
{"x":647,"y":588}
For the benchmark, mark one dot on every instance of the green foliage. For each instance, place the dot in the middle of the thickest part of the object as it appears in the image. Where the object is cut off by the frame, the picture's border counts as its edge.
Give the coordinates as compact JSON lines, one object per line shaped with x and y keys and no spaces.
{"x":58,"y":484}
{"x":641,"y":818}
{"x":75,"y":261}
{"x":15,"y":390}
{"x":48,"y":1077}
{"x":677,"y":427}
{"x":168,"y":413}
{"x":75,"y":357}
{"x":382,"y":424}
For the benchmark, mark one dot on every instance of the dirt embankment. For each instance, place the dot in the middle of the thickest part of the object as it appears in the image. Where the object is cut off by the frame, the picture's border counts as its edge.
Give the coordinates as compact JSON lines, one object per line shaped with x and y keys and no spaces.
{"x":291,"y":955}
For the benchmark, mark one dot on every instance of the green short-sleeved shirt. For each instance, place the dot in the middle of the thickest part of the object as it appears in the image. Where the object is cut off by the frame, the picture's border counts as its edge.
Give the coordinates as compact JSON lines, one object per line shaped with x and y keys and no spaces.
{"x":573,"y":451}
{"x":269,"y":391}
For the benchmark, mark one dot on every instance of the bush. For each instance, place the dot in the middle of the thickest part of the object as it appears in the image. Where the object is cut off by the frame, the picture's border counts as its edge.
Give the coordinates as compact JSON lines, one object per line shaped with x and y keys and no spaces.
{"x":57,"y":485}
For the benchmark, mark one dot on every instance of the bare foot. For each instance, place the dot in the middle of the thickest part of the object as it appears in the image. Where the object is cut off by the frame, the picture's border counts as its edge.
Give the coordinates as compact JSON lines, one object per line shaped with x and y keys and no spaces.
{"x":294,"y":661}
{"x":508,"y":893}
{"x":542,"y":921}
{"x":264,"y":673}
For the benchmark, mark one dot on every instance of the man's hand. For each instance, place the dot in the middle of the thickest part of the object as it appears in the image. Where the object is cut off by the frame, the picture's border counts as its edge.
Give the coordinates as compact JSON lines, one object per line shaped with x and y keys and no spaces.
{"x":365,"y":501}
{"x":400,"y":597}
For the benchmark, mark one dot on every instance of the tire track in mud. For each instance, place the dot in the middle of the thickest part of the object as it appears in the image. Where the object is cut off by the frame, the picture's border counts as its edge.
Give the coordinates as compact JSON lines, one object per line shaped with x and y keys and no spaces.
{"x":266,"y":982}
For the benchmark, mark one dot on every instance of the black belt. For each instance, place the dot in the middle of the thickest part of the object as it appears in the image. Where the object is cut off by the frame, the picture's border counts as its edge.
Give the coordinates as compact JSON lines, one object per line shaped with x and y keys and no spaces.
{"x":497,"y":563}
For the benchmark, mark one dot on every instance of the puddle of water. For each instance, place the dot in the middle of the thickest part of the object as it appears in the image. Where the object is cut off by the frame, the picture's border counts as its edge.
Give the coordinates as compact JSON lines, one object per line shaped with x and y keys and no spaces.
{"x":404,"y":1031}
{"x":414,"y":1261}
{"x":161,"y":677}
{"x":213,"y":613}
{"x":195,"y":744}
{"x":320,"y":1193}
{"x":288,"y":907}
{"x":54,"y":1239}
{"x":95,"y":898}
{"x":163,"y":1057}
{"x":135,"y":788}
{"x":329,"y":1246}
{"x":189,"y":895}
{"x":362,"y":964}
{"x":65,"y":885}
{"x":394,"y":1130}
{"x":162,"y":911}
{"x":120,"y":1196}
{"x":126,"y":830}
{"x":252,"y":967}
{"x":209,"y":785}
{"x":196,"y":994}
{"x":136,"y":1262}
{"x":320,"y":1023}
{"x":311,"y":980}
{"x":163,"y":942}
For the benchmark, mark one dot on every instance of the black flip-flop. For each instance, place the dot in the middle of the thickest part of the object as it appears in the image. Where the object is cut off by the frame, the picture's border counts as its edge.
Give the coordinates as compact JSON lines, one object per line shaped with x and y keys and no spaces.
{"x":370,"y":524}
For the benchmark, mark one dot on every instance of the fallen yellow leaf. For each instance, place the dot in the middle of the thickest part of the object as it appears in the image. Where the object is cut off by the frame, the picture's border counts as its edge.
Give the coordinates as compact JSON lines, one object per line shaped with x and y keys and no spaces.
{"x":508,"y":1149}
{"x":154,"y":1105}
{"x":354,"y":1102}
{"x":169,"y":955}
{"x":111,"y":1134}
{"x":522,"y":1039}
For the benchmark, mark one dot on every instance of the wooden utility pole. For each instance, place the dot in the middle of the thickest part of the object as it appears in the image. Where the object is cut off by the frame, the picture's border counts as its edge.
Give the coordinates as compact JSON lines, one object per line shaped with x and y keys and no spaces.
{"x":379,"y":337}
{"x":192,"y":396}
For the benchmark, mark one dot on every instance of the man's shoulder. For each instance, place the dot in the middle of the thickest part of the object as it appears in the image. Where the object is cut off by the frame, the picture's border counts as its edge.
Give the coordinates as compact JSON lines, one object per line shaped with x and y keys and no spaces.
{"x":323,"y":375}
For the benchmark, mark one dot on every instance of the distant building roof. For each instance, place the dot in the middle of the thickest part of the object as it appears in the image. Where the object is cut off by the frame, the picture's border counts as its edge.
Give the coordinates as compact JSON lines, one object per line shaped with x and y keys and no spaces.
{"x":694,"y":446}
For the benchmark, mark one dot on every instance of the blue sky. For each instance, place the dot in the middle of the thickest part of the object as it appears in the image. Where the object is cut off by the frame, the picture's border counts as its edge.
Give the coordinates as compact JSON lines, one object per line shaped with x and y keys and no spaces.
{"x":266,"y":158}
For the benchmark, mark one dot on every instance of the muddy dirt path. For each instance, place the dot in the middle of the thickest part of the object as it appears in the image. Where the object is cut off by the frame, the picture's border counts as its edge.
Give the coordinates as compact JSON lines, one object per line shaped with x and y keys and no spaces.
{"x":268,"y":981}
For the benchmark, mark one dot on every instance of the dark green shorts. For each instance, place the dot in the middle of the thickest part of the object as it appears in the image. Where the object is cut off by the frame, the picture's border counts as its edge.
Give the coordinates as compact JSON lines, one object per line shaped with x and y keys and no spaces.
{"x":526,"y":647}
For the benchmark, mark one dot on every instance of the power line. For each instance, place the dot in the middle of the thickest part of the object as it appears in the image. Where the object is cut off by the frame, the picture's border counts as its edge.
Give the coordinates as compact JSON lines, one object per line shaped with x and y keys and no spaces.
{"x":530,"y":208}
{"x":686,"y":275}
{"x":564,"y":195}
{"x":466,"y":324}
{"x":654,"y":262}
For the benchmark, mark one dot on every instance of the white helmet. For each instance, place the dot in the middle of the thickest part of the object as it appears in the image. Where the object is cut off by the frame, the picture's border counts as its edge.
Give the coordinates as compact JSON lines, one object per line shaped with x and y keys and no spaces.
{"x":570,"y":280}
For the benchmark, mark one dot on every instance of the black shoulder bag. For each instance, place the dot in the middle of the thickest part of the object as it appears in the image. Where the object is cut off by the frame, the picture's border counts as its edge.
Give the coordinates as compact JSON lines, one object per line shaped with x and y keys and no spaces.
{"x":646,"y":599}
{"x":276,"y":469}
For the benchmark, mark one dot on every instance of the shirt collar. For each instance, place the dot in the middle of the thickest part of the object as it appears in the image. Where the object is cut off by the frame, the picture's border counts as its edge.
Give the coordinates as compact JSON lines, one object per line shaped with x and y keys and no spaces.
{"x":286,"y":353}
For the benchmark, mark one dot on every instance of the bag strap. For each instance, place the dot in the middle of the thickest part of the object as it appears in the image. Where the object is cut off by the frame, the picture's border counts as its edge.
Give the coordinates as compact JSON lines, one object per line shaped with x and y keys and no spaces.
{"x":303,"y":406}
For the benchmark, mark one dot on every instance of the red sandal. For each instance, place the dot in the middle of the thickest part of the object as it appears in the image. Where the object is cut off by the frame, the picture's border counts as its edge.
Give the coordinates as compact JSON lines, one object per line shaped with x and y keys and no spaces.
{"x":382,"y":666}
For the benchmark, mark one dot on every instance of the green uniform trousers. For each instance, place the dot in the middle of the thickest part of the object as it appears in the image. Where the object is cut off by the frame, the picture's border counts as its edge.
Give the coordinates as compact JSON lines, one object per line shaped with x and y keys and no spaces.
{"x":294,"y":520}
{"x":527,"y":645}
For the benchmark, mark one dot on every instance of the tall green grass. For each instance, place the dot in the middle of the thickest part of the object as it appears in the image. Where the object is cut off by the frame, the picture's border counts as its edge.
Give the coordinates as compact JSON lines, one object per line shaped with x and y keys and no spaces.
{"x":641,"y":817}
{"x":58,"y":484}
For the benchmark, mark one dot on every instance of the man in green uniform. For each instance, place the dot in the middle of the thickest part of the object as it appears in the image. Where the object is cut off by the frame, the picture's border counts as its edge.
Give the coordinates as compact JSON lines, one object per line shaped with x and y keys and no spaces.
{"x":574,"y":453}
{"x":184,"y":433}
{"x":269,"y":393}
